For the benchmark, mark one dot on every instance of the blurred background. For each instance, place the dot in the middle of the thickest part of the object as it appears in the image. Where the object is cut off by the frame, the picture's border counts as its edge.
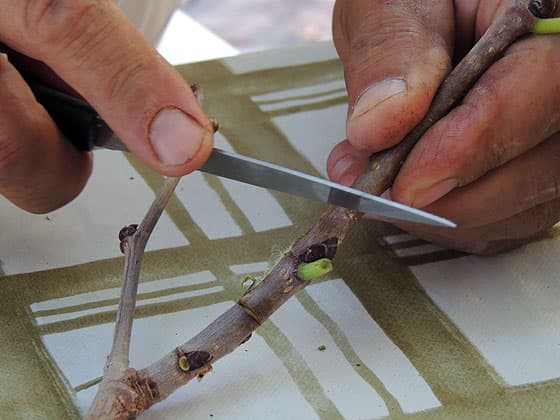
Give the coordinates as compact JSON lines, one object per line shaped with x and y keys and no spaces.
{"x":194,"y":30}
{"x":250,"y":25}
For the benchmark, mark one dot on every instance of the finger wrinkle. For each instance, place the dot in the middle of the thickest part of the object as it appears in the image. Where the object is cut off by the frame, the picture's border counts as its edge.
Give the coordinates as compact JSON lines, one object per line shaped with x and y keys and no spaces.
{"x":80,"y":47}
{"x":48,"y":20}
{"x":119,"y":83}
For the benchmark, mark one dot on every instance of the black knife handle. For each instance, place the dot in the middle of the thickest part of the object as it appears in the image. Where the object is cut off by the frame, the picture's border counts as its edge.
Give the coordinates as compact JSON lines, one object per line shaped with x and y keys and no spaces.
{"x":76,"y":119}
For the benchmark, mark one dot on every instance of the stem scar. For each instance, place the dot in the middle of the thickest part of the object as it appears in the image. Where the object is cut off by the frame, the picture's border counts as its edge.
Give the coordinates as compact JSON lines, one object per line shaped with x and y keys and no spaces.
{"x":192,"y":360}
{"x":249,"y":311}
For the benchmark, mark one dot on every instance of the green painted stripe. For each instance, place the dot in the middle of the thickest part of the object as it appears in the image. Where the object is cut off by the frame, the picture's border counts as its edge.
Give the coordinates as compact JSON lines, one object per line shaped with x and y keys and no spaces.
{"x":301,"y":374}
{"x":448,"y":362}
{"x":141,"y":296}
{"x":230,"y":205}
{"x":347,"y":350}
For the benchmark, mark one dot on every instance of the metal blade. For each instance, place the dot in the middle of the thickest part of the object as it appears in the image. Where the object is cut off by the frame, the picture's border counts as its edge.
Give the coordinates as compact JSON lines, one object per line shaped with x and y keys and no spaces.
{"x":268,"y":175}
{"x":271,"y":176}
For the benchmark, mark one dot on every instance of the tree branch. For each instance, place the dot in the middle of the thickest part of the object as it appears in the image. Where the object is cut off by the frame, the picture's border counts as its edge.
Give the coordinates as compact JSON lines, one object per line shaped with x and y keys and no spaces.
{"x":133,"y":243}
{"x":135,"y":391}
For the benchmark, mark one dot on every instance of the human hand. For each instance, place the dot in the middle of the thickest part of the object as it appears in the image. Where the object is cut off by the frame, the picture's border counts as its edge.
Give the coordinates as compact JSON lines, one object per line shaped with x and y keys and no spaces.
{"x":93,"y":47}
{"x":492,"y":164}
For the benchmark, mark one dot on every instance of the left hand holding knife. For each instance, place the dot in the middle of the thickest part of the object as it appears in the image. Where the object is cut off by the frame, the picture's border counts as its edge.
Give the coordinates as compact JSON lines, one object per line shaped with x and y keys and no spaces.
{"x":95,"y":49}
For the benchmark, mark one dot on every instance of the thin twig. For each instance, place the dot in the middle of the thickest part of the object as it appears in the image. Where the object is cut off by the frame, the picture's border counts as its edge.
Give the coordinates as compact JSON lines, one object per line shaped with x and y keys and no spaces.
{"x":138,"y":390}
{"x":133,"y":243}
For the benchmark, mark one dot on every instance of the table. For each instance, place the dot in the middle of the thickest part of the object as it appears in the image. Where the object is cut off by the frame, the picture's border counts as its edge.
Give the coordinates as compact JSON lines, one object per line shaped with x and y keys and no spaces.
{"x":401,"y":328}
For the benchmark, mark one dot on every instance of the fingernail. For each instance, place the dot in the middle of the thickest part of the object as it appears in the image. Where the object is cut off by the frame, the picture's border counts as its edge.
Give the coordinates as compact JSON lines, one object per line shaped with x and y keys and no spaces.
{"x":175,"y":136}
{"x":434,"y":193}
{"x":4,"y":56}
{"x":346,"y":170}
{"x":376,"y":94}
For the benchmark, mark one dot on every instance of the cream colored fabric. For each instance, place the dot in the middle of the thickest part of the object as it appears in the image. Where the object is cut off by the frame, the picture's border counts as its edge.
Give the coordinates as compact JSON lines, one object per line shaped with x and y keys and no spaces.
{"x":400,"y":328}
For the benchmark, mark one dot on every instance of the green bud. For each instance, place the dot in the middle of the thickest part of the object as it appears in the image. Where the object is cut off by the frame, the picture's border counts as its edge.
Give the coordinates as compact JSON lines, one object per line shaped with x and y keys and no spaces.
{"x":312,"y":270}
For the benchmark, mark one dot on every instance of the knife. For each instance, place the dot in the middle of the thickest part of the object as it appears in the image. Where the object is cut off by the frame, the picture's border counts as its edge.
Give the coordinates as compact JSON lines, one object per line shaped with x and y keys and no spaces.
{"x":81,"y":124}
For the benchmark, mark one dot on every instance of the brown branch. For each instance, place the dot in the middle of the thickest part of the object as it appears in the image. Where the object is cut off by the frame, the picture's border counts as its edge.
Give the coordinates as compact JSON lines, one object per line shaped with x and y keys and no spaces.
{"x":133,"y":243}
{"x":136,"y":391}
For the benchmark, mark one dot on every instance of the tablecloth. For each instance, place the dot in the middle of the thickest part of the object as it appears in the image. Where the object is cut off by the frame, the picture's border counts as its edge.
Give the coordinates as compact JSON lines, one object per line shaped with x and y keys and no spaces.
{"x":401,"y":328}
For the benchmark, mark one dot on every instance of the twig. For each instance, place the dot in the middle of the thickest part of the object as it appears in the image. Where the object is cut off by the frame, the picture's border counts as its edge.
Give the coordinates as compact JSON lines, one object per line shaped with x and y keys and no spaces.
{"x":138,"y":390}
{"x":133,"y":243}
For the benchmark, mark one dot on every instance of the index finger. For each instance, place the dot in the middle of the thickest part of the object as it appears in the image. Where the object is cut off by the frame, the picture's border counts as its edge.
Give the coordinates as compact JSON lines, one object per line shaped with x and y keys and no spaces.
{"x":95,"y":49}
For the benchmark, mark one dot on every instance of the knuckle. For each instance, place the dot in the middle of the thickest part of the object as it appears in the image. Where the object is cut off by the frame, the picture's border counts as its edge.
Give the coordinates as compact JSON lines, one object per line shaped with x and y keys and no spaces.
{"x":62,"y":23}
{"x":372,"y":48}
{"x":129,"y":73}
{"x":486,"y":98}
{"x":470,"y":128}
{"x":450,"y":145}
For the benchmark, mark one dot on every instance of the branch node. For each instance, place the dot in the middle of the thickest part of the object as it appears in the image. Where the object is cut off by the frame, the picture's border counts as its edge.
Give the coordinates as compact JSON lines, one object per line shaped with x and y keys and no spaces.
{"x":128,"y":396}
{"x":248,"y":310}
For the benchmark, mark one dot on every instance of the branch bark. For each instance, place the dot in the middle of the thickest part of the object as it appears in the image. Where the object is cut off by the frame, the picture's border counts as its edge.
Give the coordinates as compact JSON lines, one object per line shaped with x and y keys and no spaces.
{"x":133,"y":243}
{"x":135,"y":391}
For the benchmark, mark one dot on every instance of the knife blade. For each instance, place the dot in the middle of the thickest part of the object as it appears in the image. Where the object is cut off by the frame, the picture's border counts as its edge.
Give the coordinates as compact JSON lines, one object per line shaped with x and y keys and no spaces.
{"x":81,"y":124}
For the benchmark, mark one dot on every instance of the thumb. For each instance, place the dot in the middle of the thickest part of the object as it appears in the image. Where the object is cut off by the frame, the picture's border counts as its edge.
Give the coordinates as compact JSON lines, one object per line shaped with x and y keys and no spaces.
{"x":395,"y":55}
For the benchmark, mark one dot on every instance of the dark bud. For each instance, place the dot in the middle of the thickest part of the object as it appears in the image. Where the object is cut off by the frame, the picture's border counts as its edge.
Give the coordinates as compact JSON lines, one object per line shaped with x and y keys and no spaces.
{"x":193,"y":360}
{"x":542,"y":8}
{"x":127,"y":231}
{"x":124,"y":233}
{"x":326,"y":249}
